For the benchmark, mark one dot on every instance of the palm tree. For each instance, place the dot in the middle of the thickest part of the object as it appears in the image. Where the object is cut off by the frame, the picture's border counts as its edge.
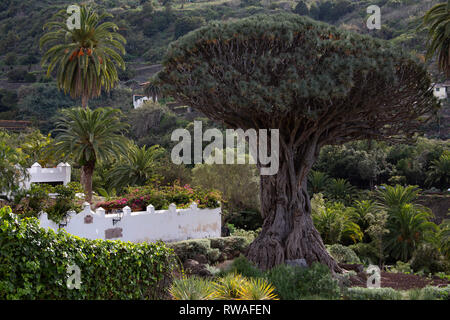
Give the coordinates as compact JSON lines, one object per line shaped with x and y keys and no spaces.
{"x":136,"y":167}
{"x":408,"y":226}
{"x":152,"y":91}
{"x":391,"y":198}
{"x":440,"y":171}
{"x":86,"y":57}
{"x":438,"y":21}
{"x":88,"y":137}
{"x":340,"y":190}
{"x":318,"y":181}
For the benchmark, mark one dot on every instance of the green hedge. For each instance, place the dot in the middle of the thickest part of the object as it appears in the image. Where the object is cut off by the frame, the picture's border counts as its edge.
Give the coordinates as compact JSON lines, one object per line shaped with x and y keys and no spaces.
{"x":357,"y":293}
{"x":34,"y":263}
{"x":211,"y":248}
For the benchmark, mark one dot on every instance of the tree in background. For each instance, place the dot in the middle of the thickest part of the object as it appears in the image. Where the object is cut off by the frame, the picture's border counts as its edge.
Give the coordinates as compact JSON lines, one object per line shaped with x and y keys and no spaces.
{"x":317,"y":84}
{"x":439,"y":173}
{"x":136,"y":167}
{"x":301,"y":8}
{"x":12,"y":168}
{"x":86,"y":57}
{"x":89,"y":137}
{"x":437,"y":20}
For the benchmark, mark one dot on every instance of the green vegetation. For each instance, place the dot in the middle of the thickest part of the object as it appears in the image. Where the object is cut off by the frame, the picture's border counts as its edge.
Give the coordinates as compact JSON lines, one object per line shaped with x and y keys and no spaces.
{"x":89,"y":137}
{"x":86,"y":57}
{"x":35,"y":261}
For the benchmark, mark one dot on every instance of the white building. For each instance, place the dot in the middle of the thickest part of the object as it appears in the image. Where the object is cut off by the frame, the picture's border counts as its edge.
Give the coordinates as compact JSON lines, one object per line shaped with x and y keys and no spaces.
{"x":139,"y":100}
{"x":37,"y":174}
{"x":441,"y":90}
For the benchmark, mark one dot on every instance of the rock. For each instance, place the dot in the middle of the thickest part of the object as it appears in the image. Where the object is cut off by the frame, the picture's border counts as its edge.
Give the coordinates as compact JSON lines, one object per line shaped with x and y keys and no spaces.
{"x":201,"y":258}
{"x":190,"y":263}
{"x":193,"y":267}
{"x":297,"y":263}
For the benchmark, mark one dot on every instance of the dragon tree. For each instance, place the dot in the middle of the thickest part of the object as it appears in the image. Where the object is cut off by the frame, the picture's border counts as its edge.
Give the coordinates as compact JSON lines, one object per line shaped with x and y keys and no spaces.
{"x":318,"y":85}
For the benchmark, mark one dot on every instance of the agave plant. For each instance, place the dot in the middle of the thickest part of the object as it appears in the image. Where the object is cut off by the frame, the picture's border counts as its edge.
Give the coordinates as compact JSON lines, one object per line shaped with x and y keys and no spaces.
{"x":257,"y":289}
{"x":229,"y":287}
{"x":191,"y":288}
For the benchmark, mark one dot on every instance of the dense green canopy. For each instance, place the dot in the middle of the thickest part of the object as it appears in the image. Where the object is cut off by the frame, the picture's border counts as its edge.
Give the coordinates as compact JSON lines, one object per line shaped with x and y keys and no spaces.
{"x":287,"y":71}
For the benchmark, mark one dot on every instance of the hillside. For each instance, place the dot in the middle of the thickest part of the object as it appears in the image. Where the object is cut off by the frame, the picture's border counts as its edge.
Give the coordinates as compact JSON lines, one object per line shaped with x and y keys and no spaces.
{"x":149,"y":27}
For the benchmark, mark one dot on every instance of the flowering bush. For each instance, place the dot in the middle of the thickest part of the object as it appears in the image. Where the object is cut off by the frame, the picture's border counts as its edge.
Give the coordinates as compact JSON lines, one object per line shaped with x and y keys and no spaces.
{"x":138,"y":198}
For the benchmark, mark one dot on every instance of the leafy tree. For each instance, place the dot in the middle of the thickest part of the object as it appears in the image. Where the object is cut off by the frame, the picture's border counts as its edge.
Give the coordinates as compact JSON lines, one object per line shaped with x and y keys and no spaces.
{"x":377,"y":230}
{"x":237,"y":183}
{"x":12,"y":169}
{"x":38,"y":148}
{"x":88,"y":137}
{"x":10,"y":59}
{"x":437,"y":19}
{"x":301,"y":8}
{"x":185,"y":24}
{"x":86,"y":57}
{"x":136,"y":167}
{"x":8,"y":100}
{"x":304,"y":78}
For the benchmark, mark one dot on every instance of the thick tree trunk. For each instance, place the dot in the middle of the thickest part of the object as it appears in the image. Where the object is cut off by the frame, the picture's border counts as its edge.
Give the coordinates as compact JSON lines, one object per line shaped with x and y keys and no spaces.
{"x":288,"y":232}
{"x":87,"y":171}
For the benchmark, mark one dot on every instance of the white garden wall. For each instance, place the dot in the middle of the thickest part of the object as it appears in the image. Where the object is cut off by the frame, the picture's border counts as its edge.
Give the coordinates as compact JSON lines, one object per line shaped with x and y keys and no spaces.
{"x":144,"y":226}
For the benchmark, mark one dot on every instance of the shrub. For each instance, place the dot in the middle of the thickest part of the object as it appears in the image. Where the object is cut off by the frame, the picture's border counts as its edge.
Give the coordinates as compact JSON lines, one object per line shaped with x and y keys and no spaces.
{"x":366,"y":252}
{"x":35,"y":261}
{"x":211,"y":248}
{"x":343,"y":254}
{"x":244,"y":267}
{"x":402,"y":267}
{"x":284,"y":278}
{"x":189,"y":249}
{"x":227,"y":244}
{"x":318,"y":281}
{"x":250,"y":235}
{"x":428,"y":259}
{"x":435,"y":293}
{"x":357,"y":293}
{"x":294,"y":283}
{"x":138,"y":198}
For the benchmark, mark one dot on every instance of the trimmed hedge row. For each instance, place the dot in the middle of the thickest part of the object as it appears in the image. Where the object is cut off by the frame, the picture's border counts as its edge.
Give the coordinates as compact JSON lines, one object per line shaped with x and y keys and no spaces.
{"x":34,"y":264}
{"x":211,"y":249}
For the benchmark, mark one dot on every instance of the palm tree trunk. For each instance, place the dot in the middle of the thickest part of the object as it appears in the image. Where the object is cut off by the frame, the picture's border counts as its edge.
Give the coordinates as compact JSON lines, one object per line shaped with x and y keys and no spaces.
{"x":87,"y":172}
{"x":84,"y":101}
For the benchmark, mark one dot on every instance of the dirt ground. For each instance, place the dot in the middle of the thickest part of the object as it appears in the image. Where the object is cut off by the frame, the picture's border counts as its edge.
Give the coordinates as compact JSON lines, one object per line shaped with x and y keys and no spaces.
{"x":400,"y":281}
